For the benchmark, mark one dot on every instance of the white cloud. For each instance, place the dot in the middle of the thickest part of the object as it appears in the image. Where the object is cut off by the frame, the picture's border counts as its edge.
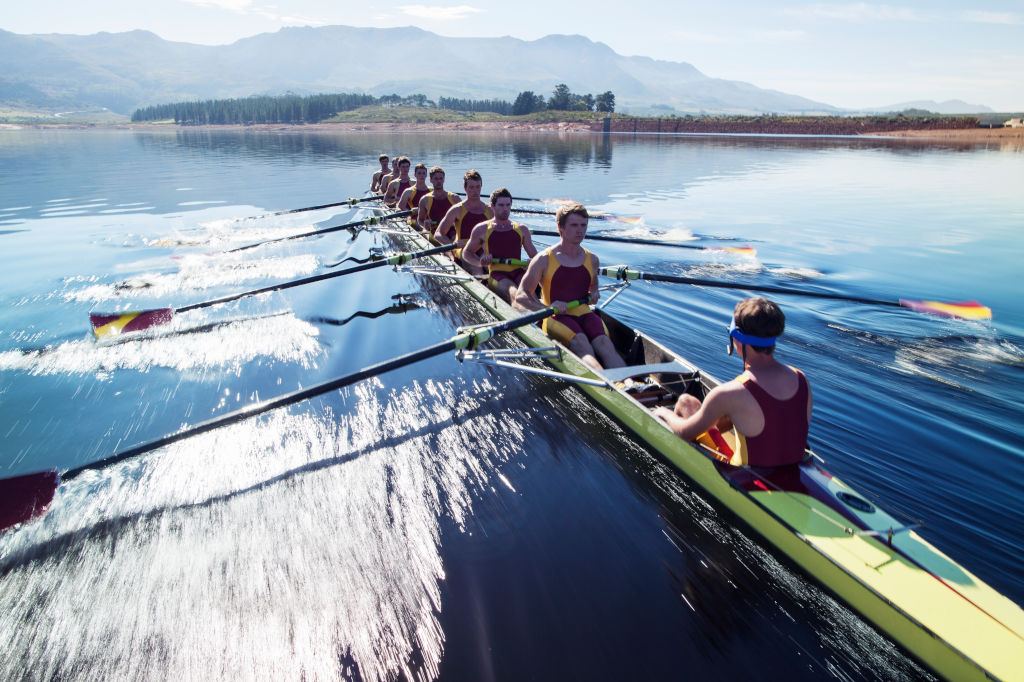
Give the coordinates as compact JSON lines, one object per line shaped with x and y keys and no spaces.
{"x":980,"y":17}
{"x":439,"y":13}
{"x":856,"y":12}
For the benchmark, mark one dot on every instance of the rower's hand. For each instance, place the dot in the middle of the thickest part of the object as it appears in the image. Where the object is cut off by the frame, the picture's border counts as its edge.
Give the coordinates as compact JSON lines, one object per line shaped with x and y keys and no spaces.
{"x":486,"y":260}
{"x":560,"y":307}
{"x":592,"y":297}
{"x":663,"y":413}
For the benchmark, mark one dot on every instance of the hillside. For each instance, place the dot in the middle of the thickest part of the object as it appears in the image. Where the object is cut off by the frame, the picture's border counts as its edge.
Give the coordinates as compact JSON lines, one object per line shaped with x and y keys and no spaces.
{"x":123,"y":71}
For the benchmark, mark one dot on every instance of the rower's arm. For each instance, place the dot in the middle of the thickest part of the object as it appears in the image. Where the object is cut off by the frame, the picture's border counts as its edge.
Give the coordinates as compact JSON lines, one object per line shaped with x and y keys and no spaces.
{"x":528,"y":246}
{"x":714,"y":407}
{"x":406,"y":199}
{"x":375,"y":181}
{"x":389,"y":194}
{"x":476,"y":241}
{"x":525,"y":298}
{"x":422,"y":219}
{"x":595,"y":289}
{"x":446,"y":222}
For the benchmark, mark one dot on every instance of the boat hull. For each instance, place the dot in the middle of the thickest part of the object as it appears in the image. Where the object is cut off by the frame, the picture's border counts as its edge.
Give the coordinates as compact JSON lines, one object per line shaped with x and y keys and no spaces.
{"x":947,"y":618}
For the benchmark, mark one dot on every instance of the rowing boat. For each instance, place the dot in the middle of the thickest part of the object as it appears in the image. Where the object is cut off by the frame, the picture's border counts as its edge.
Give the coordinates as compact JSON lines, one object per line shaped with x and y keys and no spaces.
{"x":943,"y":615}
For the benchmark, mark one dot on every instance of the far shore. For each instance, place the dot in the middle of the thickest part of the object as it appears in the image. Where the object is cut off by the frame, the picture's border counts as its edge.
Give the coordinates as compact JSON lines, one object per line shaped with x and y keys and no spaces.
{"x":1013,"y":136}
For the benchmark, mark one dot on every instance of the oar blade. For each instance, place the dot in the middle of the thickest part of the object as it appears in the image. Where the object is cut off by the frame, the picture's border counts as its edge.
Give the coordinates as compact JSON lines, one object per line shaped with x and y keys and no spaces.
{"x":106,"y":325}
{"x":965,"y":310}
{"x":25,"y":497}
{"x":741,"y":250}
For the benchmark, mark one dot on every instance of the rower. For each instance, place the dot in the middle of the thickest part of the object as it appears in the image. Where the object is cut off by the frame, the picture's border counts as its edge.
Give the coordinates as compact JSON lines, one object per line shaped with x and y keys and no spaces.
{"x":409,"y":201}
{"x":375,"y":183}
{"x":766,"y":410}
{"x":567,"y":272}
{"x":398,"y":184}
{"x":386,"y":179}
{"x":501,"y":240}
{"x":434,"y":206}
{"x":461,"y":218}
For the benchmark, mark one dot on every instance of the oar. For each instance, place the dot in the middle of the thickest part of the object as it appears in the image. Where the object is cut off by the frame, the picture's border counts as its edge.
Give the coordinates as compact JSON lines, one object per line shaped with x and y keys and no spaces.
{"x":374,"y":220}
{"x":968,"y":310}
{"x":462,"y":194}
{"x":110,"y":324}
{"x":596,"y":215}
{"x":25,"y":497}
{"x":745,"y":250}
{"x":347,"y":202}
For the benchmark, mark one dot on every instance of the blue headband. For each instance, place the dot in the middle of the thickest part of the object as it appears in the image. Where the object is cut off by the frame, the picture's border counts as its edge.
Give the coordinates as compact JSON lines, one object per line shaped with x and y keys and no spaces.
{"x":749,"y":339}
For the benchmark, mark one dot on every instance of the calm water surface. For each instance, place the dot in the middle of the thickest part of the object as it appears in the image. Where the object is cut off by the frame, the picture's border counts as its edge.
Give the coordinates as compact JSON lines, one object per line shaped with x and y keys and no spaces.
{"x":447,"y":521}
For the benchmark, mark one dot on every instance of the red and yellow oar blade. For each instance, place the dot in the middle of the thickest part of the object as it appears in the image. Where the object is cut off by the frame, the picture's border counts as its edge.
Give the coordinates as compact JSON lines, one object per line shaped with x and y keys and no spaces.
{"x":111,"y":324}
{"x":24,"y":497}
{"x":742,"y":250}
{"x":967,"y":310}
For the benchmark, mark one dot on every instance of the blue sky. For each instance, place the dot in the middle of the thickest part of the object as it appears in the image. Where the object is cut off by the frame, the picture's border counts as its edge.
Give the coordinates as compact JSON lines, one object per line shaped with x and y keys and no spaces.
{"x":849,"y":54}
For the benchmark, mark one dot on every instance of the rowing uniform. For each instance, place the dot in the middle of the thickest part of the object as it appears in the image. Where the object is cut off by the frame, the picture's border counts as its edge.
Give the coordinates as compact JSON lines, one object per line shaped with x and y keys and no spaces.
{"x":437,"y":207}
{"x":402,"y":186}
{"x":562,"y":283}
{"x":414,"y":202}
{"x":465,"y":221}
{"x":784,"y":437}
{"x":504,"y":244}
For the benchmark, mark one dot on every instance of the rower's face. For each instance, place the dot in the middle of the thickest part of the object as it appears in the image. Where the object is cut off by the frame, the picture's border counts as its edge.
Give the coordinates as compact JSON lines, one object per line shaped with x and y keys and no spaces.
{"x":437,"y":180}
{"x":502,"y":208}
{"x":384,"y":164}
{"x":403,"y":168}
{"x":421,"y":175}
{"x":575,"y":228}
{"x":473,"y":188}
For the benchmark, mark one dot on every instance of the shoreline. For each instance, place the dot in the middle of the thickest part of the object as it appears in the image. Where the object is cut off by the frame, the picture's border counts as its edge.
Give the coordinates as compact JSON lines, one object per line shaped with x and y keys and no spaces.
{"x":1013,"y":136}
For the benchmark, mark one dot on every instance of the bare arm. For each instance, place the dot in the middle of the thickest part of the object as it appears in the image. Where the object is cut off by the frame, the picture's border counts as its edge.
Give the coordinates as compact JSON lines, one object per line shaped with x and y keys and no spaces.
{"x":715,"y":406}
{"x":525,"y":298}
{"x":528,"y":246}
{"x":476,"y":241}
{"x":595,"y":291}
{"x":405,"y":202}
{"x":422,"y":219}
{"x":446,"y":223}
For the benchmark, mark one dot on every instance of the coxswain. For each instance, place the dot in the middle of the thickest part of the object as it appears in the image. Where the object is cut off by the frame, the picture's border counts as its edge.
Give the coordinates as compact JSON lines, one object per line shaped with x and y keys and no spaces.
{"x":410,"y":199}
{"x":567,"y":272}
{"x":399,"y":183}
{"x":375,"y":182}
{"x":762,"y":415}
{"x":498,"y":241}
{"x":461,"y":218}
{"x":434,"y":206}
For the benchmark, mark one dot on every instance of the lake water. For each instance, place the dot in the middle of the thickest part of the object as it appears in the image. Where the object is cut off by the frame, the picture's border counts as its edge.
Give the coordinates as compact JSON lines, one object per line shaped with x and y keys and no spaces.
{"x":446,"y":520}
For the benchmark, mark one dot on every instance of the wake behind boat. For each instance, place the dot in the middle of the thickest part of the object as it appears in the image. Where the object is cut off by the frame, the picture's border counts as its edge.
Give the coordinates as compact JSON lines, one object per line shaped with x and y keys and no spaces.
{"x":941,"y":613}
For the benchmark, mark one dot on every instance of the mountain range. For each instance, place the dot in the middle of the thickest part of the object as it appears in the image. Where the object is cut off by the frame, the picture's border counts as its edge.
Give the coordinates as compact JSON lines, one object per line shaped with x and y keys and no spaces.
{"x":124,"y":71}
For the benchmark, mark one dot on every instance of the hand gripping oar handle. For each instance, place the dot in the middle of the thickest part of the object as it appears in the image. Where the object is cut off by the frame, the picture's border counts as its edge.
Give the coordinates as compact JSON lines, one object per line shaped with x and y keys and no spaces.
{"x":467,"y":340}
{"x":963,"y":309}
{"x":375,"y":220}
{"x":347,"y":202}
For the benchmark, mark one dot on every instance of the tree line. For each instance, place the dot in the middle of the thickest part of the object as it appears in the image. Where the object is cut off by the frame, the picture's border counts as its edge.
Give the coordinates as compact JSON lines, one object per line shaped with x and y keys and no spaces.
{"x":293,"y":108}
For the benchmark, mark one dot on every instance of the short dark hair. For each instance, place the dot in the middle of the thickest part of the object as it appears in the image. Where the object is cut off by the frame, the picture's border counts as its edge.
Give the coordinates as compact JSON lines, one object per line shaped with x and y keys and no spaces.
{"x":473,"y":174}
{"x":383,"y":157}
{"x":404,"y":159}
{"x":568,"y":209}
{"x":499,"y":193}
{"x":435,"y":169}
{"x":420,"y":165}
{"x":758,"y":316}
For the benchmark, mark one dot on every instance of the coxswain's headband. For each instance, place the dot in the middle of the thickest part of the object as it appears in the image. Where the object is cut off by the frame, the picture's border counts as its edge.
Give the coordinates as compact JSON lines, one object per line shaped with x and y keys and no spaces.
{"x":749,"y":339}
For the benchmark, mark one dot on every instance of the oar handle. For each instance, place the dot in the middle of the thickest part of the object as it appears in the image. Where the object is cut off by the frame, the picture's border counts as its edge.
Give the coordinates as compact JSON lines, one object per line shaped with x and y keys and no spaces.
{"x":347,"y":202}
{"x":397,"y":259}
{"x":510,"y":261}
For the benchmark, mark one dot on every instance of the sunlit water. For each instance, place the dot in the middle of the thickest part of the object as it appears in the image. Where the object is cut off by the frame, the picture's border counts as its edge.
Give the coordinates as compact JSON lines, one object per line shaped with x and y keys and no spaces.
{"x":447,"y":521}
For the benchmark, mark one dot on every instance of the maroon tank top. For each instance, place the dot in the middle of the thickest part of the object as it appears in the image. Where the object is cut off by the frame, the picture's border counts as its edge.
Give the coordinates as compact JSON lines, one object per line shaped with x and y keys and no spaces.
{"x":784,"y":437}
{"x":505,"y":244}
